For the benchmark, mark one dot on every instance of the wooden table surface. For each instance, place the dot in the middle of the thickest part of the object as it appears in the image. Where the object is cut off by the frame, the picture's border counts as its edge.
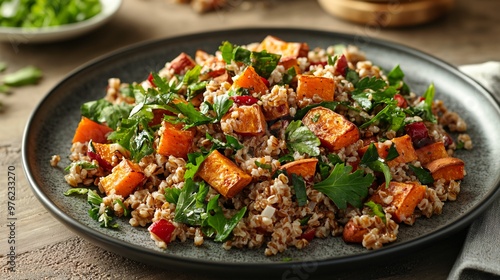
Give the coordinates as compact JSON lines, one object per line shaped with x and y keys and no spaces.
{"x":46,"y":248}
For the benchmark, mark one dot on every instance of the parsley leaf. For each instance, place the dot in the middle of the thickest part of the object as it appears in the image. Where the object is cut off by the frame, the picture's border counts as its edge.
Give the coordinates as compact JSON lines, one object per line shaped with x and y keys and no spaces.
{"x":190,"y":207}
{"x":424,"y":108}
{"x":103,"y":111}
{"x":73,"y":191}
{"x":301,"y":139}
{"x":25,"y":76}
{"x":106,"y":217}
{"x":288,"y":76}
{"x":392,"y":153}
{"x":263,"y":62}
{"x":222,"y":104}
{"x":172,"y":194}
{"x":377,"y":210}
{"x":371,"y":89}
{"x":265,"y":166}
{"x":299,"y":186}
{"x":231,"y":142}
{"x":194,"y":162}
{"x":424,"y":176}
{"x":216,"y":219}
{"x":83,"y":164}
{"x":372,"y":159}
{"x":136,"y":136}
{"x":191,"y":81}
{"x":395,"y":78}
{"x":390,"y":114}
{"x":193,"y":117}
{"x":344,"y":187}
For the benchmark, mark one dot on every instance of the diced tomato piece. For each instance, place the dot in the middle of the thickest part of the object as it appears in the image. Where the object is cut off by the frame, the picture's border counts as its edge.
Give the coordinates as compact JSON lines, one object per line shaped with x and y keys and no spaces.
{"x":308,"y":234}
{"x":402,"y":103}
{"x":323,"y":63}
{"x":341,"y":66}
{"x":162,"y":229}
{"x":447,"y":140}
{"x":151,"y":80}
{"x":418,"y":133}
{"x":266,"y":82}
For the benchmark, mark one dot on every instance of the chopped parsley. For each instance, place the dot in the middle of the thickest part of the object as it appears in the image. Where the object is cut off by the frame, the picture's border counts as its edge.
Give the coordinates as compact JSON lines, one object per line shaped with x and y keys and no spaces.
{"x":377,"y":210}
{"x":423,"y":175}
{"x":83,"y":164}
{"x":218,"y":222}
{"x":106,"y":217}
{"x":344,"y":187}
{"x":373,"y":161}
{"x":263,"y":62}
{"x":301,"y":139}
{"x":299,"y":186}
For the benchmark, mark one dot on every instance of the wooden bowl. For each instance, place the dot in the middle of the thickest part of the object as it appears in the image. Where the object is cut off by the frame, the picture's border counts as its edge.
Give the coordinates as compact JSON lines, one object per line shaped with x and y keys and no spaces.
{"x":384,"y":13}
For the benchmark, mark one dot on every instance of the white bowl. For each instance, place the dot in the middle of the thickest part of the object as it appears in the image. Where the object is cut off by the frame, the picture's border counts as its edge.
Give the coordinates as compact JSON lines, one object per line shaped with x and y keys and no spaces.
{"x":20,"y":35}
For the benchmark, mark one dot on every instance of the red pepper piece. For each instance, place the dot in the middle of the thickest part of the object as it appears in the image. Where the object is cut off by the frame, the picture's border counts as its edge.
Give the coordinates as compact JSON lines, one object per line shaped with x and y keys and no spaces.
{"x":244,"y":100}
{"x":162,"y":229}
{"x":341,"y":66}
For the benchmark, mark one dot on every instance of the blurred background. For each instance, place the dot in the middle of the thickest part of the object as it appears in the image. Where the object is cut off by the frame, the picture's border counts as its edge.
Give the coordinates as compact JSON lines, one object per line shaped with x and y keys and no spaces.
{"x":456,"y":31}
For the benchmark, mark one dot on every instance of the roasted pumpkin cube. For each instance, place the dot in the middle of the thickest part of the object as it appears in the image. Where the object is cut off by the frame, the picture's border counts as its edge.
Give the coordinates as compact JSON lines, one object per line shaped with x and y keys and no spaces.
{"x":309,"y":85}
{"x":289,"y":62}
{"x":275,"y":45}
{"x":448,"y":168}
{"x":353,"y":233}
{"x":247,"y":120}
{"x":251,"y":81}
{"x":175,"y":141}
{"x":405,"y":197}
{"x":402,"y":144}
{"x":90,"y":130}
{"x":124,"y":178}
{"x":333,"y":130}
{"x":223,"y":174}
{"x":302,"y":167}
{"x":431,"y":152}
{"x":108,"y":151}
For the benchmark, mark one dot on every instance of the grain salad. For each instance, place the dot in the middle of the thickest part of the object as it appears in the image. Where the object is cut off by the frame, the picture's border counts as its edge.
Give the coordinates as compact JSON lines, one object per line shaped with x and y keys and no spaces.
{"x":267,"y":145}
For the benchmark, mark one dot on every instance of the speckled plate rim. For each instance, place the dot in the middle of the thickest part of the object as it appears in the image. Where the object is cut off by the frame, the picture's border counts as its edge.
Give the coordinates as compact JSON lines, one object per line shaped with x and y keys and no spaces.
{"x":140,"y":253}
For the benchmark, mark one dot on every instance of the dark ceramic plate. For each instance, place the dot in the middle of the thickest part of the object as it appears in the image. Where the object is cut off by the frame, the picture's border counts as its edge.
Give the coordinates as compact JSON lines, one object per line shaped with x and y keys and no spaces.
{"x":52,"y":124}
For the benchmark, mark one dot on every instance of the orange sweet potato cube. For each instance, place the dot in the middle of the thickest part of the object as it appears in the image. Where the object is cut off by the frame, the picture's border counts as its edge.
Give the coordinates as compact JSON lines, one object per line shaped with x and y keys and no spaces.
{"x":248,"y":120}
{"x":250,"y":80}
{"x":406,"y":196}
{"x":90,"y":130}
{"x":333,"y":130}
{"x":302,"y":167}
{"x":309,"y":85}
{"x":108,"y":151}
{"x":431,"y":152}
{"x":402,"y":144}
{"x":124,"y":178}
{"x":448,"y":168}
{"x":174,"y":141}
{"x":223,"y":174}
{"x":353,"y":233}
{"x":275,"y":45}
